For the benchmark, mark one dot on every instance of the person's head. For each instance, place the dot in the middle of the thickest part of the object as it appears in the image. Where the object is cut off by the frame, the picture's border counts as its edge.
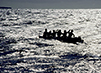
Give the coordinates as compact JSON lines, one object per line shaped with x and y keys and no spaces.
{"x":71,"y":30}
{"x":53,"y":30}
{"x":59,"y":30}
{"x":45,"y":30}
{"x":64,"y":31}
{"x":49,"y":31}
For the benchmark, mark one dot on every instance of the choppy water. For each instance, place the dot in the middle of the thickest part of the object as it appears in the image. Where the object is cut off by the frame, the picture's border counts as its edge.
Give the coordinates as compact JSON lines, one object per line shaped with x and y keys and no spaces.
{"x":22,"y":51}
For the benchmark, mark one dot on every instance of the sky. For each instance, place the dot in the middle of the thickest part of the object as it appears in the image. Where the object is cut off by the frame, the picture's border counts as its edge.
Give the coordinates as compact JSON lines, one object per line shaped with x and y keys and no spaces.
{"x":52,"y":4}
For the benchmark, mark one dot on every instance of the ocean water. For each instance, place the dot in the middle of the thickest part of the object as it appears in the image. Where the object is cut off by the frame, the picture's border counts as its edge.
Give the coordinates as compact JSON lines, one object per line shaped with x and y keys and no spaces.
{"x":21,"y":49}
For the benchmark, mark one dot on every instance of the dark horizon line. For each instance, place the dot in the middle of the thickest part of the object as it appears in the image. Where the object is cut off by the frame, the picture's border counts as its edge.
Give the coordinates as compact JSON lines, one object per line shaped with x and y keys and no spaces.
{"x":9,"y":7}
{"x":5,"y":7}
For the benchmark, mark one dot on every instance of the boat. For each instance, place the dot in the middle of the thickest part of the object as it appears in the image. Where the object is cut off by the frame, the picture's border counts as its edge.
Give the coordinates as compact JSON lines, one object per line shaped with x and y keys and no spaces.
{"x":67,"y":40}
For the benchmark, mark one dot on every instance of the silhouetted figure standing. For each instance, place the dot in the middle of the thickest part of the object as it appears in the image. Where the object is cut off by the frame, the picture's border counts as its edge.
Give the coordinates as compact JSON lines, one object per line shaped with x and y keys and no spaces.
{"x":59,"y":33}
{"x":45,"y":34}
{"x":70,"y":35}
{"x":49,"y":35}
{"x":54,"y":34}
{"x":65,"y":34}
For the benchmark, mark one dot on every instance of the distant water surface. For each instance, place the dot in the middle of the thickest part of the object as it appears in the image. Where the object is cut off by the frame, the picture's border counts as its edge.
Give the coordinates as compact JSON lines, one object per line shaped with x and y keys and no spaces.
{"x":21,"y":50}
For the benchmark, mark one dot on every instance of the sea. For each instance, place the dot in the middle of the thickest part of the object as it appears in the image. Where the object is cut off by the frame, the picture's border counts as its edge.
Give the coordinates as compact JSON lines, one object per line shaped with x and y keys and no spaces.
{"x":22,"y":51}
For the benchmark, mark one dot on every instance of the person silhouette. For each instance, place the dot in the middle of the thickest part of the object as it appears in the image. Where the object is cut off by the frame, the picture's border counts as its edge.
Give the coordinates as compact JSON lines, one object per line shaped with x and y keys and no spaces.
{"x":65,"y":34}
{"x":70,"y":35}
{"x":45,"y":34}
{"x":54,"y":34}
{"x":59,"y":34}
{"x":49,"y":35}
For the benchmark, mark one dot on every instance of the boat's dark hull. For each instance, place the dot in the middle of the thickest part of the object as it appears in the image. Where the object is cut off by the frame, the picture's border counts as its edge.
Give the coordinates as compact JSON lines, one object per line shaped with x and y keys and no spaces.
{"x":68,"y":40}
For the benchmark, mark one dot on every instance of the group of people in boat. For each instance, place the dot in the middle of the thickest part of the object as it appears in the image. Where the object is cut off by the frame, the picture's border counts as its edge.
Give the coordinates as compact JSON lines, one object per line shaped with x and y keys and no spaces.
{"x":58,"y":34}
